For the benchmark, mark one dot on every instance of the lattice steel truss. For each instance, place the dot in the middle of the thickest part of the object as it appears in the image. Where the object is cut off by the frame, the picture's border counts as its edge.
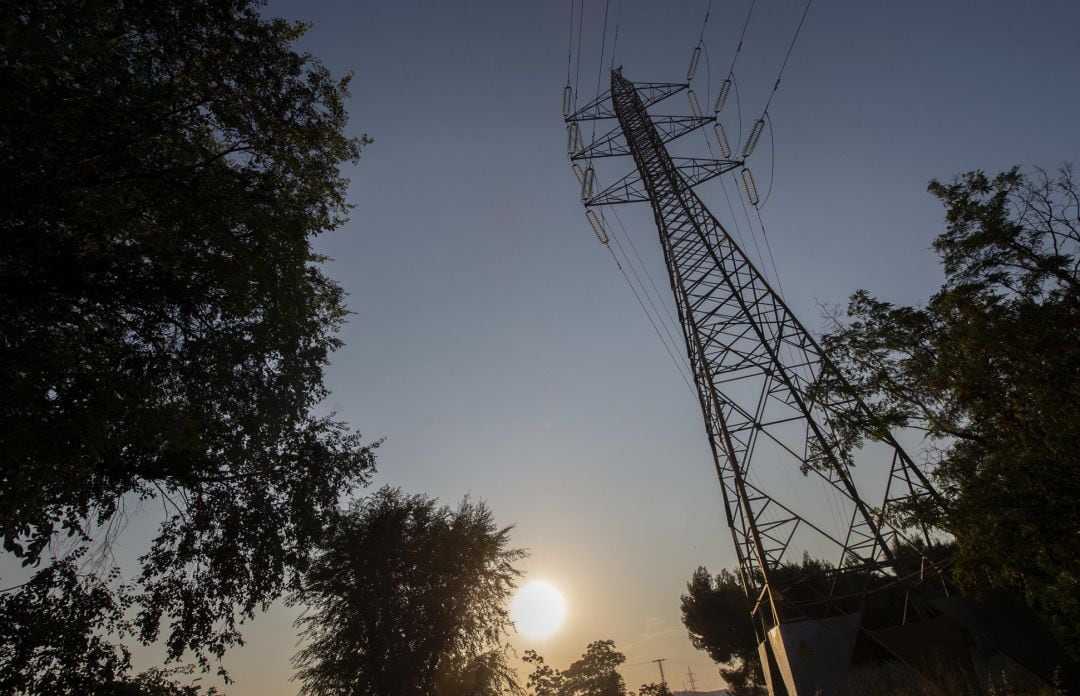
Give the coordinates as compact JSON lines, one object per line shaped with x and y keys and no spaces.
{"x":755,"y":366}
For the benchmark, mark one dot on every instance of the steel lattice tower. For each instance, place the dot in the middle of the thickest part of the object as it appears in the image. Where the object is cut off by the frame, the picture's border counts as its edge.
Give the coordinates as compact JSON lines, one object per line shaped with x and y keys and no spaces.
{"x":756,"y":369}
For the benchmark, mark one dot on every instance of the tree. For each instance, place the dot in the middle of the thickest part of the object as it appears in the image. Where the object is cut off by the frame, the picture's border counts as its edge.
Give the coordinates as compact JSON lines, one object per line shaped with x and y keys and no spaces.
{"x":593,"y":675}
{"x":407,"y":597}
{"x":989,"y":370}
{"x":163,"y":168}
{"x":49,"y":633}
{"x":654,"y":689}
{"x":717,"y":618}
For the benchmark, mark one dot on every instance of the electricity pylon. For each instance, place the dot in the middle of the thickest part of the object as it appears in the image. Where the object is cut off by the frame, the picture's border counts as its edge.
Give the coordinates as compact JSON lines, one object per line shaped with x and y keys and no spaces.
{"x":758,"y":374}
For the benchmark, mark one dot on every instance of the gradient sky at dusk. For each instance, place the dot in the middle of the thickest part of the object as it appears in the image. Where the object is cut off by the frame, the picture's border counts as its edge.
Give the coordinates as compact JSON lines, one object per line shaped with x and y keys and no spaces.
{"x":495,"y":345}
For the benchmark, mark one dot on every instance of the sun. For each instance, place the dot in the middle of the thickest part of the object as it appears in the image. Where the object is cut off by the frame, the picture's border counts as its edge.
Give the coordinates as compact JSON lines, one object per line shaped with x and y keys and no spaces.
{"x":538,"y":610}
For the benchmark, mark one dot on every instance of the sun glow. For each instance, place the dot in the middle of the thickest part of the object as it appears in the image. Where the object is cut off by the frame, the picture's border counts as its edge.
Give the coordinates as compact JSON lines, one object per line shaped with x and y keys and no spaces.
{"x":538,"y":610}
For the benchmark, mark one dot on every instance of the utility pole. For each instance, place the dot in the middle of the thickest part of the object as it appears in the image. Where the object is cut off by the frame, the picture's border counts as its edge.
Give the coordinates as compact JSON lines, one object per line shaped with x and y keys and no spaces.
{"x":660,"y":663}
{"x":690,"y":678}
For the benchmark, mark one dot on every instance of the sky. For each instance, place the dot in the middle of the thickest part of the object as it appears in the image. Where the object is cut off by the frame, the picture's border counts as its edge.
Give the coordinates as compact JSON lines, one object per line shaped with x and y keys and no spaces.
{"x":497,"y":348}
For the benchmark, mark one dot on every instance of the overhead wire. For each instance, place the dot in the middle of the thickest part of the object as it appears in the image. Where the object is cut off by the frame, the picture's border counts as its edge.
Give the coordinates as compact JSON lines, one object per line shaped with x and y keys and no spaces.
{"x":615,"y":44}
{"x":603,"y":48}
{"x":787,"y":56}
{"x":671,"y":342}
{"x":570,"y":48}
{"x":637,"y":296}
{"x":581,"y":21}
{"x":645,"y":268}
{"x":708,"y":9}
{"x":742,"y":35}
{"x":600,"y":67}
{"x":772,"y":161}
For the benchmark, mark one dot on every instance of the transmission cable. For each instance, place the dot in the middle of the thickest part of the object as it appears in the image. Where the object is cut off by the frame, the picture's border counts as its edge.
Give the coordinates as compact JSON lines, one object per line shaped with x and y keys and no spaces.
{"x":615,"y":44}
{"x":577,"y":76}
{"x":603,"y":49}
{"x":645,"y":268}
{"x":600,"y":68}
{"x":667,"y":348}
{"x":791,"y":47}
{"x":772,"y":161}
{"x":570,"y":48}
{"x":674,"y":345}
{"x":742,"y":36}
{"x":701,"y":36}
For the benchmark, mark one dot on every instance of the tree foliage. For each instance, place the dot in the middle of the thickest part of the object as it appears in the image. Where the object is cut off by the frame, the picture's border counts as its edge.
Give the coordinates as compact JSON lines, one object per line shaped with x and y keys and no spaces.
{"x":717,"y":619}
{"x":989,"y":369}
{"x":51,"y":638}
{"x":163,"y":168}
{"x":594,"y":674}
{"x":407,"y":597}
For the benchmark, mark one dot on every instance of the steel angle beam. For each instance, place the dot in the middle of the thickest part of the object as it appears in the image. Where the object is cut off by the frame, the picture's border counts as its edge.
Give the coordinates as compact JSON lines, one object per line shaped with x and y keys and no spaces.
{"x":698,"y":170}
{"x":610,"y":144}
{"x":653,"y":92}
{"x":673,"y":127}
{"x":597,"y":109}
{"x":613,"y":143}
{"x":601,"y":107}
{"x":629,"y":189}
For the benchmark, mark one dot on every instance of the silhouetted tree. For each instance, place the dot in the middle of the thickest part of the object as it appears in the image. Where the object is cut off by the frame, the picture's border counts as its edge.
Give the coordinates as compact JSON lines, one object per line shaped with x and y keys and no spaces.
{"x":989,"y":369}
{"x":165,"y":321}
{"x":408,"y":598}
{"x":717,"y":618}
{"x":593,"y":675}
{"x":50,"y":640}
{"x":654,"y":689}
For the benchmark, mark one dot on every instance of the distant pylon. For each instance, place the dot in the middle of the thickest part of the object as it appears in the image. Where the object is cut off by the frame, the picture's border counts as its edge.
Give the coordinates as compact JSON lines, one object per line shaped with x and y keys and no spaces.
{"x":660,"y":662}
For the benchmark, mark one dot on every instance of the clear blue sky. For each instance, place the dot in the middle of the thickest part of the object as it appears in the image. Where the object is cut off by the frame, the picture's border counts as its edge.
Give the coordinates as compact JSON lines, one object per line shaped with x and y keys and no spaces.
{"x":495,"y":345}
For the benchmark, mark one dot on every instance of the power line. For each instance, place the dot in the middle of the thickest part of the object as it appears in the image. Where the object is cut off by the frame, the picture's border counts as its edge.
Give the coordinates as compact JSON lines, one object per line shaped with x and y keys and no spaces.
{"x":570,"y":48}
{"x":648,"y":297}
{"x":742,"y":35}
{"x":645,"y":268}
{"x":603,"y":48}
{"x":648,"y":316}
{"x":791,"y":47}
{"x":600,"y":67}
{"x":615,"y":44}
{"x":701,"y":36}
{"x":581,"y":21}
